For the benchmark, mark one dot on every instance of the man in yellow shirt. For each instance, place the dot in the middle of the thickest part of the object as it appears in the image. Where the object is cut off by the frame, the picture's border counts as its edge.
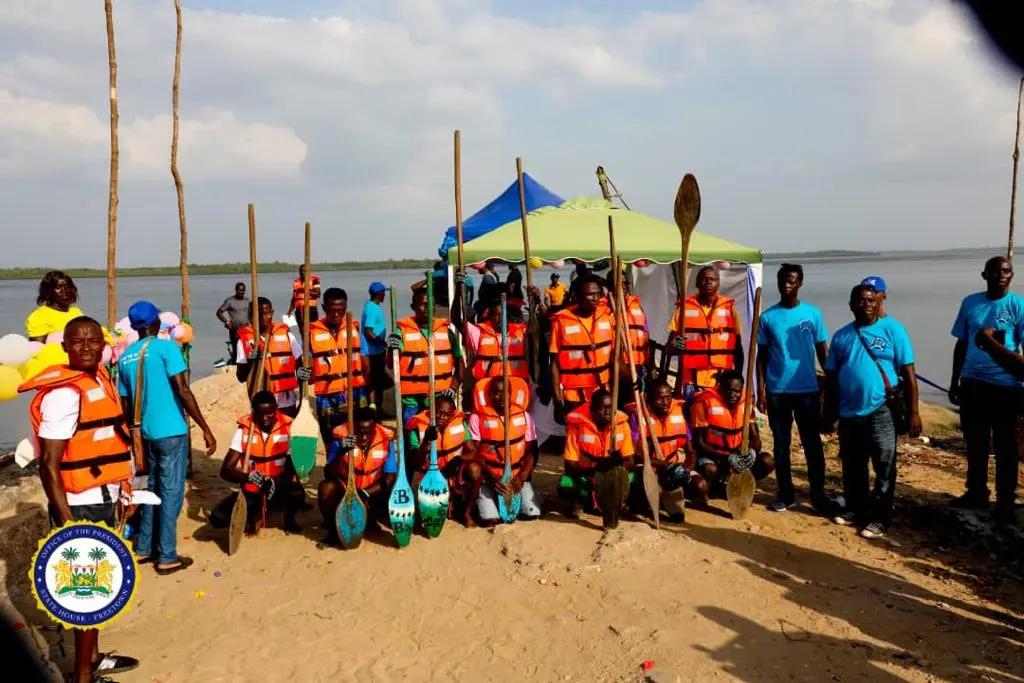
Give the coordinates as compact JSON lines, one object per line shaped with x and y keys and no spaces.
{"x":554,"y":294}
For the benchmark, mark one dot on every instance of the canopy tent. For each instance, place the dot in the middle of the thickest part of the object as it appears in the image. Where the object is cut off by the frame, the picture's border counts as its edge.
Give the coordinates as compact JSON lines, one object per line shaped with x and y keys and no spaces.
{"x":503,"y":209}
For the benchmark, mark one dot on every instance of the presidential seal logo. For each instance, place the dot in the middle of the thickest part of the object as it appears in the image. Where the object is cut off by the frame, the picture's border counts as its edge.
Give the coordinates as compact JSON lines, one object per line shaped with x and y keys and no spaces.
{"x":83,"y":575}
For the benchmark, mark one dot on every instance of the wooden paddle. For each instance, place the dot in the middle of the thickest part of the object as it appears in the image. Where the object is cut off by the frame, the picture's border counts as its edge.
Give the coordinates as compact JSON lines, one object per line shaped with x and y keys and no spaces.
{"x":401,"y":508}
{"x":350,"y":516}
{"x":532,"y":325}
{"x":305,"y":433}
{"x":740,"y":488}
{"x":686,"y":213}
{"x":509,"y":503}
{"x":432,"y":495}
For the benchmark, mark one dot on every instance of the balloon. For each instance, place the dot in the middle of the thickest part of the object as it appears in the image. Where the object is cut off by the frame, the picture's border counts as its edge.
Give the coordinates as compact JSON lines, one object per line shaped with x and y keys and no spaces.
{"x":14,"y":350}
{"x":123,"y":325}
{"x":642,"y":263}
{"x":169,"y":319}
{"x":10,"y":380}
{"x":557,"y":264}
{"x":479,"y":267}
{"x":51,"y":354}
{"x":183,"y":333}
{"x":35,"y":347}
{"x":55,"y":337}
{"x":536,"y":263}
{"x":108,"y":353}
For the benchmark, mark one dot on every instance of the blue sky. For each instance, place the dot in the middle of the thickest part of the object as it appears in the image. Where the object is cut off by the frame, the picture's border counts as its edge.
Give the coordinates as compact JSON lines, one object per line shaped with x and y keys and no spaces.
{"x":860,"y":124}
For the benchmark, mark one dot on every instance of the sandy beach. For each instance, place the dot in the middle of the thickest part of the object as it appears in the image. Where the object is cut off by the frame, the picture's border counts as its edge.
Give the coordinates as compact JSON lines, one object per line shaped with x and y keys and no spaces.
{"x":773,"y":597}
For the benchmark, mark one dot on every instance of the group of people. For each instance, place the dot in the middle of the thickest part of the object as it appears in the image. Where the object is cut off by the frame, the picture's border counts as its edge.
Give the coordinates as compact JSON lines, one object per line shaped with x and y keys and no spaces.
{"x":863,"y":378}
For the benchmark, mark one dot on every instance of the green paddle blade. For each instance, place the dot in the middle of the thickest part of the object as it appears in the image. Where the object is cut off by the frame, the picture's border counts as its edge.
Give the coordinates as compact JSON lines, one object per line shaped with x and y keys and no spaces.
{"x":305,"y":436}
{"x":351,"y":520}
{"x":402,"y":509}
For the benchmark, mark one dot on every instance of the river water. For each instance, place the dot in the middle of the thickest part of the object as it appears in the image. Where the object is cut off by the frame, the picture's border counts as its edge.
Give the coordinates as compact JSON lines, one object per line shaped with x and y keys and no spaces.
{"x":924,"y":293}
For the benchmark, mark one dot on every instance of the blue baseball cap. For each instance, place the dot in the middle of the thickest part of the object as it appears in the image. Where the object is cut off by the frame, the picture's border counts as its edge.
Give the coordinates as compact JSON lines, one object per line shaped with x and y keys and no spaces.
{"x":377,"y":287}
{"x":143,"y":315}
{"x":876,"y":282}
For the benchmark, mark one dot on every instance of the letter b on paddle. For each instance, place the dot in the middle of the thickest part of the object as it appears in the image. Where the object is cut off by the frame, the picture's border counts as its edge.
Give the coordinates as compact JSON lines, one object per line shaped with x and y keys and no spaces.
{"x":402,"y":497}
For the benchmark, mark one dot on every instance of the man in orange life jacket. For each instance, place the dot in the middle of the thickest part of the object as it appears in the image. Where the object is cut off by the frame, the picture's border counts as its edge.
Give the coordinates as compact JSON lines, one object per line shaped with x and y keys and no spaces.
{"x":303,"y":304}
{"x":485,"y":452}
{"x":270,"y":481}
{"x":674,"y":458}
{"x":589,"y":449}
{"x":451,"y":435}
{"x":581,"y":343}
{"x":327,"y":344}
{"x":484,"y":341}
{"x":411,"y":343}
{"x":281,"y":361}
{"x":85,"y":461}
{"x":716,"y":417}
{"x":371,"y":450}
{"x":710,"y":336}
{"x":640,"y":348}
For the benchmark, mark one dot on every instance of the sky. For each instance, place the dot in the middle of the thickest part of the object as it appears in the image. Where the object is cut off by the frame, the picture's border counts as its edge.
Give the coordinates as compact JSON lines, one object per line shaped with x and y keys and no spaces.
{"x":810,"y":124}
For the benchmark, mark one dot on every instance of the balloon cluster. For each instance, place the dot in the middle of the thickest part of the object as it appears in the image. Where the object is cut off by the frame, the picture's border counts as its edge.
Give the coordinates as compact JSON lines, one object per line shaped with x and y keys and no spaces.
{"x":171,"y":327}
{"x":15,"y":352}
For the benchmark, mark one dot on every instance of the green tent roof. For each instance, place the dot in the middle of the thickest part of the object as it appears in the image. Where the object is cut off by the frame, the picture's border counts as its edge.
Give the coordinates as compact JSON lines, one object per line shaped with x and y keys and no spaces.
{"x":579,"y":229}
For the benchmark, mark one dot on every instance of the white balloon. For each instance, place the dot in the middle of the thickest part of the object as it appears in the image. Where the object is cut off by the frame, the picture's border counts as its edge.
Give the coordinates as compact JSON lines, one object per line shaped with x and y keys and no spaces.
{"x":14,"y":350}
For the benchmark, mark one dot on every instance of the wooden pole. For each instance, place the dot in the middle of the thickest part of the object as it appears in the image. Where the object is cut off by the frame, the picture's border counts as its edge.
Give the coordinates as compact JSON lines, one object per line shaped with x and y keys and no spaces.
{"x":306,"y":322}
{"x":532,"y":327}
{"x":1013,"y":187}
{"x":186,"y":298}
{"x":458,"y":201}
{"x":254,"y":284}
{"x":112,"y":201}
{"x":748,"y":388}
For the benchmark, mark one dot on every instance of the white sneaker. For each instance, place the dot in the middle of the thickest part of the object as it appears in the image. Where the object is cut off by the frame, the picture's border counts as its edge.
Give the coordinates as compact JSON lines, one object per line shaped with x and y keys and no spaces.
{"x":873,"y":530}
{"x":845,"y":519}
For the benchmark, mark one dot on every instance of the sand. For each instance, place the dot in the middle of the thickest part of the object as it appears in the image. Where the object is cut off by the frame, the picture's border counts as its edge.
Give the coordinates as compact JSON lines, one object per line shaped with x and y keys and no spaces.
{"x":774,"y":597}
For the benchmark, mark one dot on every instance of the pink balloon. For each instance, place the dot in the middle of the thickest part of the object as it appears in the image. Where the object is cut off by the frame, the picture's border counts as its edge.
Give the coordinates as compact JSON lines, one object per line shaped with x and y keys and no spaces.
{"x":123,"y":325}
{"x":35,"y":347}
{"x":183,"y":333}
{"x":170,"y":319}
{"x":55,"y":337}
{"x":108,"y":354}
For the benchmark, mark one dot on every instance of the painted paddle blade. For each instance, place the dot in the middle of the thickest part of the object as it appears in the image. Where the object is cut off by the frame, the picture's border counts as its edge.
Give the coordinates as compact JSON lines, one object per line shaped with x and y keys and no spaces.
{"x":432,"y":497}
{"x":351,"y":520}
{"x":402,"y":509}
{"x":236,"y":528}
{"x":611,"y":488}
{"x":687,"y":207}
{"x":304,"y":440}
{"x":740,"y":493}
{"x":509,"y":503}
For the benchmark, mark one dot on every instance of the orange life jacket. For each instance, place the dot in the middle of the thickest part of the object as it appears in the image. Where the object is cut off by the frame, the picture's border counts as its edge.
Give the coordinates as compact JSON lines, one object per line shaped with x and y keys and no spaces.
{"x":415,"y":371}
{"x":710,"y":339}
{"x":279,"y":363}
{"x":298,"y":291}
{"x":725,"y":427}
{"x":592,"y":442}
{"x":636,"y":321}
{"x":450,"y":440}
{"x":268,"y":455}
{"x":330,"y":364}
{"x":369,"y":464}
{"x":99,"y":452}
{"x":584,"y":350}
{"x":518,"y":394}
{"x":670,"y":433}
{"x":488,"y":352}
{"x":492,"y":428}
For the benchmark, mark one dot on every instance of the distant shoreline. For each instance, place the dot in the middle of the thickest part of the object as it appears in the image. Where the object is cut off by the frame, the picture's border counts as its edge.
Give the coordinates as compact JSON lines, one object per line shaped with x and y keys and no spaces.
{"x":220,"y":269}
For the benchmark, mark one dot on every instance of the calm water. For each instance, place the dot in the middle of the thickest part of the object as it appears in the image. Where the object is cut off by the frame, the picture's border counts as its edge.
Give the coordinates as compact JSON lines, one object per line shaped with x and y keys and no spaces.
{"x":923,"y":294}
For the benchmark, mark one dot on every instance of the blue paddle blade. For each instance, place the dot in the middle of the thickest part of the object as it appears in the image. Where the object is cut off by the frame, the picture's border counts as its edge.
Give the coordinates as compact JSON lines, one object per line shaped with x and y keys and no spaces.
{"x":351,"y":520}
{"x":508,"y":507}
{"x":432,"y":498}
{"x":402,"y":510}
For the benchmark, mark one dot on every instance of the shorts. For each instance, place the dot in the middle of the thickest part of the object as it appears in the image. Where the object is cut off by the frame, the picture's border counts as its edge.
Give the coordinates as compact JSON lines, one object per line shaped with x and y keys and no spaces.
{"x":487,"y":502}
{"x":99,"y":513}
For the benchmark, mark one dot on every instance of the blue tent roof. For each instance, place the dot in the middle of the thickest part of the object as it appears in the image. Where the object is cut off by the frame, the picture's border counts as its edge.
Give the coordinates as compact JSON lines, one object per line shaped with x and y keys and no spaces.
{"x":503,"y":209}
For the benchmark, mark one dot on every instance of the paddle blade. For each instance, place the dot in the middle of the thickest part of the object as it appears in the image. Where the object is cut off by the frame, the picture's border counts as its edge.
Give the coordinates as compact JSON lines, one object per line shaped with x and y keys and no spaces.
{"x":305,"y":437}
{"x":652,"y":490}
{"x":432,"y":498}
{"x":236,"y":528}
{"x":351,"y":520}
{"x":740,"y":493}
{"x":611,"y":488}
{"x":402,"y":510}
{"x":687,"y":207}
{"x":509,"y":506}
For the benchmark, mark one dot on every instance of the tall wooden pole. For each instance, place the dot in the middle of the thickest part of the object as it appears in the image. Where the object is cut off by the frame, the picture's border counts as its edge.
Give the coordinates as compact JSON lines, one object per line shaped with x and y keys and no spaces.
{"x":533,"y":339}
{"x":458,"y":200}
{"x":108,"y":6}
{"x":186,"y":298}
{"x":1013,"y":187}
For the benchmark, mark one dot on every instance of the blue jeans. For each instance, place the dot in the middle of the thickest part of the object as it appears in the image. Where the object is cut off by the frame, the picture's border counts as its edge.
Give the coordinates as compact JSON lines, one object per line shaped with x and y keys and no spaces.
{"x":806,"y":409}
{"x":167,"y":461}
{"x":863,"y":439}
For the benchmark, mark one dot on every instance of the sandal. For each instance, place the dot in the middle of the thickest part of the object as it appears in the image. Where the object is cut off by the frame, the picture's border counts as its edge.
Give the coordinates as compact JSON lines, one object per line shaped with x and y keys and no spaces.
{"x":183,"y":563}
{"x":111,"y":663}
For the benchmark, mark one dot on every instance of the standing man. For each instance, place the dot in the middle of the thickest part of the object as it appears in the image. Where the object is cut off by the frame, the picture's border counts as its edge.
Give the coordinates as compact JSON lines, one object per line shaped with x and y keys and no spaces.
{"x":791,"y":337}
{"x":328,"y":341}
{"x":710,"y":335}
{"x":374,"y":342}
{"x":83,"y":467}
{"x":991,"y":399}
{"x":304,"y":303}
{"x":877,"y":282}
{"x":234,"y":313}
{"x":165,"y":397}
{"x":869,"y":360}
{"x":279,"y":352}
{"x":554,"y":294}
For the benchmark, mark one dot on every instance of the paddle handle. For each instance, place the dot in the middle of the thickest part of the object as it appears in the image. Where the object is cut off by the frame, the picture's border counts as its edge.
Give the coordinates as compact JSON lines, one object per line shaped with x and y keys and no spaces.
{"x":638,"y":398}
{"x":254,"y":288}
{"x":534,"y":330}
{"x":350,"y":417}
{"x":615,"y":337}
{"x":396,"y":369}
{"x":458,"y":198}
{"x":506,"y":412}
{"x":430,"y":348}
{"x":748,"y":387}
{"x":305,"y":313}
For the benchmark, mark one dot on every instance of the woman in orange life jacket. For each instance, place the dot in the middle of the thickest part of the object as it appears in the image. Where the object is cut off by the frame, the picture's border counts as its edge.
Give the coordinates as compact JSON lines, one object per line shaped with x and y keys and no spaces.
{"x":710,"y":335}
{"x":716,"y":418}
{"x":372,"y":451}
{"x":82,"y":494}
{"x":329,"y":363}
{"x":270,"y":481}
{"x":484,"y":455}
{"x":452,"y":428}
{"x":282,"y":361}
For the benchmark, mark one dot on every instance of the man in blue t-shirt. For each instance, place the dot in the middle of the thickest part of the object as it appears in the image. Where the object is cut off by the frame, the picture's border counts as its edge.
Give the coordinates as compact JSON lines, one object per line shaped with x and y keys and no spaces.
{"x":165,"y":397}
{"x":374,"y":329}
{"x":856,"y":391}
{"x":791,"y":337}
{"x":990,"y":398}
